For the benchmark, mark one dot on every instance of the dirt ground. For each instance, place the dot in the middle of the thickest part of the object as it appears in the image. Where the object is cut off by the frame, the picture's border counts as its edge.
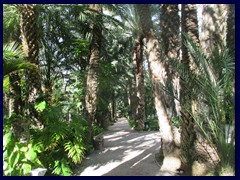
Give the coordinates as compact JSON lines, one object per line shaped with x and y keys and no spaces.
{"x":125,"y":153}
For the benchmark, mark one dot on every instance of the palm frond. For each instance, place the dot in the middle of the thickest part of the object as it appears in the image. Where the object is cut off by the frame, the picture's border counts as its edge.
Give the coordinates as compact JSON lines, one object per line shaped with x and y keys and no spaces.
{"x":13,"y":59}
{"x":61,"y":167}
{"x":75,"y":151}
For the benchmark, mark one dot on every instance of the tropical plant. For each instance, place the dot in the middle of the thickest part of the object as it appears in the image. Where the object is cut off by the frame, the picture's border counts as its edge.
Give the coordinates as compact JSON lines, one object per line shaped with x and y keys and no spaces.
{"x":63,"y":145}
{"x":14,"y":59}
{"x":218,"y":92}
{"x":212,"y":84}
{"x":19,"y":158}
{"x":10,"y":23}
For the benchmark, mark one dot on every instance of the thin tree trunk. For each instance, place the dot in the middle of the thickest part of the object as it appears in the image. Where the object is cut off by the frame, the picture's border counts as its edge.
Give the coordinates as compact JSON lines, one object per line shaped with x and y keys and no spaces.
{"x":93,"y":69}
{"x":158,"y":74}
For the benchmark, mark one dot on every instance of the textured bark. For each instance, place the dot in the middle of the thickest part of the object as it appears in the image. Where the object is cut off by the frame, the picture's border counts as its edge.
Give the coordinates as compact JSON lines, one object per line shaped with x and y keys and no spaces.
{"x":190,"y":27}
{"x":132,"y":96}
{"x":28,"y":27}
{"x":138,"y":58}
{"x":93,"y":69}
{"x":157,"y":67}
{"x":231,"y":29}
{"x":15,"y":94}
{"x":171,"y":46}
{"x":213,"y":36}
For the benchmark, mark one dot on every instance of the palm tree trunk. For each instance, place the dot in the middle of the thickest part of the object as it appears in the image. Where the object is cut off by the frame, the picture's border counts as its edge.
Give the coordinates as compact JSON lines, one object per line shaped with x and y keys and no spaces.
{"x":231,"y":29}
{"x":138,"y":58}
{"x":231,"y":44}
{"x":171,"y":47}
{"x":132,"y":92}
{"x":15,"y":94}
{"x":28,"y":27}
{"x":158,"y":74}
{"x":213,"y":28}
{"x":190,"y":27}
{"x":93,"y":69}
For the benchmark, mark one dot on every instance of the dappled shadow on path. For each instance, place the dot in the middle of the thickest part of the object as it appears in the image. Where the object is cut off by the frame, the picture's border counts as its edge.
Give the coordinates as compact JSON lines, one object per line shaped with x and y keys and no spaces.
{"x":125,"y":153}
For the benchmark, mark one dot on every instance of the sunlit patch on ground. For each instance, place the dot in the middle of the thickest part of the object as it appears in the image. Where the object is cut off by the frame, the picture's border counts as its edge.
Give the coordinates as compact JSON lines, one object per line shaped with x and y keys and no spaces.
{"x":125,"y":152}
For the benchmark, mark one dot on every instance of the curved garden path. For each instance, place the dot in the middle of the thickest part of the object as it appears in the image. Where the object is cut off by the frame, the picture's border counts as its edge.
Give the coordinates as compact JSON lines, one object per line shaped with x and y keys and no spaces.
{"x":125,"y":153}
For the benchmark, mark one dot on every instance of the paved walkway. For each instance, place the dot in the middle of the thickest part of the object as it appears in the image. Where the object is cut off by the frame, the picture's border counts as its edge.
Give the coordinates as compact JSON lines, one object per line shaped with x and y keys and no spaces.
{"x":125,"y":153}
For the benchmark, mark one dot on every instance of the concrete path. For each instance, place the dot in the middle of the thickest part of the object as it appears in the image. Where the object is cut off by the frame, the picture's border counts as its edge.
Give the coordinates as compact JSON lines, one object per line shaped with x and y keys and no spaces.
{"x":125,"y":153}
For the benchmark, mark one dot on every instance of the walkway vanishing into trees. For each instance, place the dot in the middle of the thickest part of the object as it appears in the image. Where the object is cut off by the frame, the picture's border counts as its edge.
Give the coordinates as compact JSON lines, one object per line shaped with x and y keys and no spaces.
{"x":125,"y":153}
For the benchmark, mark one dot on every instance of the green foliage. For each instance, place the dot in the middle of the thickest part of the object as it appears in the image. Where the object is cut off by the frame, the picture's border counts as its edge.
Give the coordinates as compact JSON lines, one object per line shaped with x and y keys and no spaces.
{"x":57,"y":147}
{"x":97,"y":130}
{"x":6,"y":84}
{"x":10,"y":23}
{"x":81,"y":48}
{"x":13,"y":59}
{"x":176,"y":121}
{"x":61,"y":167}
{"x":19,"y":158}
{"x":40,"y":106}
{"x":153,"y":124}
{"x":64,"y":144}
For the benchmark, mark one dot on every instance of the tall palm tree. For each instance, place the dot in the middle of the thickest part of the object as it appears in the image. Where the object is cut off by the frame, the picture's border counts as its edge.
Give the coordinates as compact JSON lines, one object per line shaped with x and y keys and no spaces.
{"x":190,"y":27}
{"x":93,"y":69}
{"x":28,"y":27}
{"x":171,"y":46}
{"x":157,"y":67}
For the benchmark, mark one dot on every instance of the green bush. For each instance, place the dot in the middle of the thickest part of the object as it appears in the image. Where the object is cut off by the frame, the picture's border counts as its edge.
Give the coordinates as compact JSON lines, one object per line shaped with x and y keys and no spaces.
{"x":58,"y":146}
{"x":19,"y":158}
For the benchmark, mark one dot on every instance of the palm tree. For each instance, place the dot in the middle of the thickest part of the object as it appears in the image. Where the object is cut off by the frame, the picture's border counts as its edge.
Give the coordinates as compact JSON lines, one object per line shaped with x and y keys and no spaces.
{"x":28,"y":27}
{"x":157,"y":67}
{"x":13,"y":62}
{"x":92,"y":75}
{"x":190,"y":27}
{"x":171,"y":46}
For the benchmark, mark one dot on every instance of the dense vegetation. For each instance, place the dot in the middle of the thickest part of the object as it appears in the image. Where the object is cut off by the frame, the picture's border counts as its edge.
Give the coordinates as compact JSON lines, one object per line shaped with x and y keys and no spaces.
{"x":70,"y":70}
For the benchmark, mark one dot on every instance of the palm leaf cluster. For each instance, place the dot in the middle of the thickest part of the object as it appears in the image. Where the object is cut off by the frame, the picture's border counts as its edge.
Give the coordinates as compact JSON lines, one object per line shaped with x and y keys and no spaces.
{"x":14,"y":59}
